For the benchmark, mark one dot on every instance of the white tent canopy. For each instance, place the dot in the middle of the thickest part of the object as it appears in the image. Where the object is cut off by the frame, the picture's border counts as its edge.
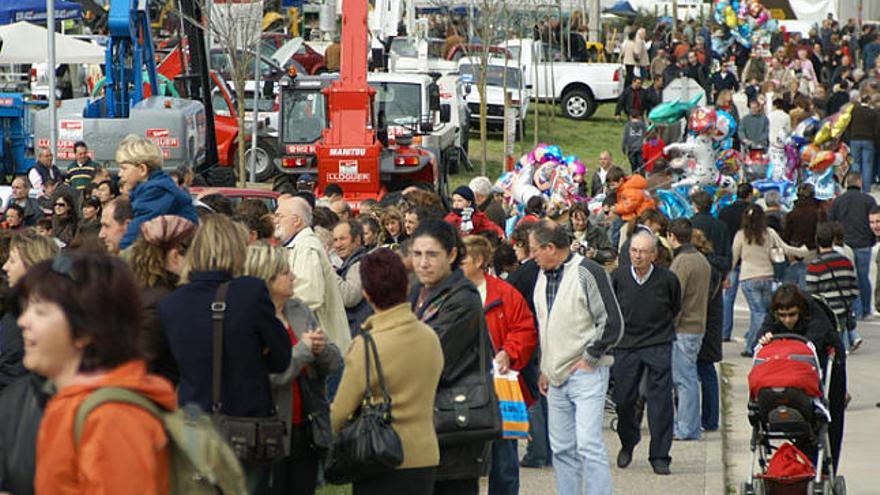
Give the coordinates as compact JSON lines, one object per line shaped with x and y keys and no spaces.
{"x":26,"y":43}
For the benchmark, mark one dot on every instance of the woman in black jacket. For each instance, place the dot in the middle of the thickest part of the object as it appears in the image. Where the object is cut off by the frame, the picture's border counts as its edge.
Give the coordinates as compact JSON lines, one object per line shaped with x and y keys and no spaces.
{"x":792,"y":311}
{"x":449,"y":303}
{"x":254,"y":341}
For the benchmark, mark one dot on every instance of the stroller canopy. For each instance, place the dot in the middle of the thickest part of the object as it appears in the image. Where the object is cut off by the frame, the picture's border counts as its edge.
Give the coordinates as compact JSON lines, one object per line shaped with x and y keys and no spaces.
{"x":786,"y":363}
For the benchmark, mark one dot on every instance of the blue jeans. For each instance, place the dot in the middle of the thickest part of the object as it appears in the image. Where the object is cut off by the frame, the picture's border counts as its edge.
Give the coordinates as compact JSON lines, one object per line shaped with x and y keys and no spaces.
{"x":687,"y":385}
{"x":863,"y":162}
{"x":796,"y":273}
{"x":709,"y":386}
{"x":758,"y":293}
{"x":576,"y":417}
{"x":863,"y":266}
{"x":729,"y":299}
{"x":504,"y":473}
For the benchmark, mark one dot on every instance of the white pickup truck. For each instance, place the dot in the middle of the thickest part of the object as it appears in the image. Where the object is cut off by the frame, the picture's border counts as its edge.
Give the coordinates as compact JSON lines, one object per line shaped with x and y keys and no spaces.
{"x":495,"y":89}
{"x":579,"y":87}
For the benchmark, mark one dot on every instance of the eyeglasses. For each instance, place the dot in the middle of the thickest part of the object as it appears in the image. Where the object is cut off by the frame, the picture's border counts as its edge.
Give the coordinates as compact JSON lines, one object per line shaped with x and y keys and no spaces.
{"x":63,"y":265}
{"x":63,"y":205}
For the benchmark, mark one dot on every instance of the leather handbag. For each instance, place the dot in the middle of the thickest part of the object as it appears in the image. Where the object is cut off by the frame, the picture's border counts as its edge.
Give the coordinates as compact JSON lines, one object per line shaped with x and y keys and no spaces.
{"x":367,"y":445}
{"x":467,"y":411}
{"x":318,"y":418}
{"x":259,"y":440}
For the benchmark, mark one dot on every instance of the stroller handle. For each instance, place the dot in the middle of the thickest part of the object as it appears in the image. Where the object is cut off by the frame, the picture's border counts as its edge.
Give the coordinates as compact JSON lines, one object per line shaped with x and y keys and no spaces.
{"x":789,"y":336}
{"x":829,"y":350}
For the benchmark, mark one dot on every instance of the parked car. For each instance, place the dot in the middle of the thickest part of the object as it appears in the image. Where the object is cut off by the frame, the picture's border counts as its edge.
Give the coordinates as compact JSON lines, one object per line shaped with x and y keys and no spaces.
{"x":578,"y":87}
{"x":237,"y":194}
{"x":496,"y":82}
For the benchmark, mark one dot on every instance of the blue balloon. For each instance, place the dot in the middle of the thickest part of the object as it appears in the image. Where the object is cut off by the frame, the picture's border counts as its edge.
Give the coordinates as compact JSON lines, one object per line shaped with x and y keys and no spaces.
{"x":674,"y":205}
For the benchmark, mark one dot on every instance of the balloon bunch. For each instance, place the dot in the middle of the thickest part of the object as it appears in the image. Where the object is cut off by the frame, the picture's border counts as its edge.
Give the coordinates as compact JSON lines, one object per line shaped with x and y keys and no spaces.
{"x":707,"y":160}
{"x":707,"y":151}
{"x":815,"y":148}
{"x":747,"y":21}
{"x":544,"y":171}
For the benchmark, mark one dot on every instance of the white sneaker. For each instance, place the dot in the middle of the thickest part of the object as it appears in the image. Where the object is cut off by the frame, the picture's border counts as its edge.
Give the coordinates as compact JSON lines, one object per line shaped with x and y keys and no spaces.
{"x":855,"y":345}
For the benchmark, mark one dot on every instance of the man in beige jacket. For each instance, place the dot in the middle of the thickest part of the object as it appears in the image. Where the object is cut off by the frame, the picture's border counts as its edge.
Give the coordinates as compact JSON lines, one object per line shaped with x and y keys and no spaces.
{"x":314,"y":278}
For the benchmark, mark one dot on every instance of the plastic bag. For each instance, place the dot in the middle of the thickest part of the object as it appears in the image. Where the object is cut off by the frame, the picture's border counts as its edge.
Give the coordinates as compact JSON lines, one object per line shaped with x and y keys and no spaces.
{"x":514,"y":416}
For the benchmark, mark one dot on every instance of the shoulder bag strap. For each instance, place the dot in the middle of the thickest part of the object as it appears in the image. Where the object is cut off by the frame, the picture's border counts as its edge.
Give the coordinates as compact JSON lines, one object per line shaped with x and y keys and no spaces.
{"x":484,"y":365}
{"x":367,"y":339}
{"x":846,"y":304}
{"x":218,"y":311}
{"x":110,"y":394}
{"x":372,"y":345}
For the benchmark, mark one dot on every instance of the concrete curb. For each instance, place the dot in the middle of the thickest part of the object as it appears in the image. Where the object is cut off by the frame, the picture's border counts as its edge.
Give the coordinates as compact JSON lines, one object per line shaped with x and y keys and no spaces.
{"x":716,"y":473}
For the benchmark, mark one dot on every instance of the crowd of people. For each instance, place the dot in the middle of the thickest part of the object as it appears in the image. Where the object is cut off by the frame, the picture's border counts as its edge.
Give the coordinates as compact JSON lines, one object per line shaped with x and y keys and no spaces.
{"x":640,"y":320}
{"x":118,"y":282}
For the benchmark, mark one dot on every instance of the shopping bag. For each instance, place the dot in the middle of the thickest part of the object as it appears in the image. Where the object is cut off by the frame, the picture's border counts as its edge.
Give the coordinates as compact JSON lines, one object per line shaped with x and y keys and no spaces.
{"x":514,"y":417}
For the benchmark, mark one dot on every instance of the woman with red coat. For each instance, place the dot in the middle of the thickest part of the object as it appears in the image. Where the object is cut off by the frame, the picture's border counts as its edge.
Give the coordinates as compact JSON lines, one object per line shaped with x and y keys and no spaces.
{"x":514,"y":338}
{"x":467,"y":218}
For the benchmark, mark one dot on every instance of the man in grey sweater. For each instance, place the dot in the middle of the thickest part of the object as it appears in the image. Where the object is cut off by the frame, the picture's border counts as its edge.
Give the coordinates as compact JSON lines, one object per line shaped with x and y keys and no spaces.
{"x":579,"y":321}
{"x":754,"y":129}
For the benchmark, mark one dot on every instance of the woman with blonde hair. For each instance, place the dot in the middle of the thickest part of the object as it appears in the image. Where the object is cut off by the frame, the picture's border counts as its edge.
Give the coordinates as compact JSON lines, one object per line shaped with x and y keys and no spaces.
{"x":254,"y":341}
{"x":299,"y":391}
{"x":157,"y":260}
{"x":26,"y":249}
{"x":392,"y":226}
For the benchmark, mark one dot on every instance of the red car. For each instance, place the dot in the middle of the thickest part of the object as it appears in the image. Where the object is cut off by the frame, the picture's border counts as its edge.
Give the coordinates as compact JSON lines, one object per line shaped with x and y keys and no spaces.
{"x":311,"y":60}
{"x":238,"y":194}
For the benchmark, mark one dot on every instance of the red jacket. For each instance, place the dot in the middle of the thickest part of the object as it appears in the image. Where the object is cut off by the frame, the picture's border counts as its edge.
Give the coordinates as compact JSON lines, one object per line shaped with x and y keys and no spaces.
{"x":651,"y":150}
{"x":479,"y":219}
{"x":511,"y":326}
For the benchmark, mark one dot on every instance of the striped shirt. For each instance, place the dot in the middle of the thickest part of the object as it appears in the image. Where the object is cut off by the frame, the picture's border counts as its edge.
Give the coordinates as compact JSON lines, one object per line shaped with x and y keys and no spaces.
{"x":832,"y":276}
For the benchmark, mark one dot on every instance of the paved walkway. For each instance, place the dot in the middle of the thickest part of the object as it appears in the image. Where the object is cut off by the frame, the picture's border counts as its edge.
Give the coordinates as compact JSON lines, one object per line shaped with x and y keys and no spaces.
{"x":861,"y":441}
{"x":697,"y":469}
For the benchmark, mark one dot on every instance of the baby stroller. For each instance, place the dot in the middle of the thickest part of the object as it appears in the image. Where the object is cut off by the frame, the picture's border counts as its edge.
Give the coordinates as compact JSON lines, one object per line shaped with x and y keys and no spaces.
{"x":788,"y":403}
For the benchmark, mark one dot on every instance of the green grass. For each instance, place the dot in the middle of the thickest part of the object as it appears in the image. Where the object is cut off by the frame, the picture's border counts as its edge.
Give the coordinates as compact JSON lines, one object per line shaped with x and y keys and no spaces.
{"x":334,"y":490}
{"x":584,"y":139}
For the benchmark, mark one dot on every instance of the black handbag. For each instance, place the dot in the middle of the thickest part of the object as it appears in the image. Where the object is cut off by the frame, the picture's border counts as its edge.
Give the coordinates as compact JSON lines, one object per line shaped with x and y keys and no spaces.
{"x":258,"y":440}
{"x":318,"y":418}
{"x":367,"y":445}
{"x":467,"y":411}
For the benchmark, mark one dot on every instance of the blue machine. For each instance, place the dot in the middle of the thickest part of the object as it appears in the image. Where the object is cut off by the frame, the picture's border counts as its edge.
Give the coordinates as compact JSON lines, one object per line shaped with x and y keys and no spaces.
{"x":129,"y":58}
{"x":15,"y":136}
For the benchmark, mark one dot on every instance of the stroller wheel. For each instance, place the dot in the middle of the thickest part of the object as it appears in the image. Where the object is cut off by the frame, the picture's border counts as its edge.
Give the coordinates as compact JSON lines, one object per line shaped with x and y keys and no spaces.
{"x":820,"y":488}
{"x":758,"y":487}
{"x":839,"y":486}
{"x":613,"y":424}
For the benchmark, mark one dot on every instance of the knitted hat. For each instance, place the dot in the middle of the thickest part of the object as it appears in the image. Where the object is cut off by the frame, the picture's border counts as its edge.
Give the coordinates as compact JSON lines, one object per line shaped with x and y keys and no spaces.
{"x":465,"y":192}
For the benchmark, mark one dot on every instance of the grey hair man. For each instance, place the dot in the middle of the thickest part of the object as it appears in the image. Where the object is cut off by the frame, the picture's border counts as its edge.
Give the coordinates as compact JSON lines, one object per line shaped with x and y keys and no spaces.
{"x":650,"y":300}
{"x":315,"y":283}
